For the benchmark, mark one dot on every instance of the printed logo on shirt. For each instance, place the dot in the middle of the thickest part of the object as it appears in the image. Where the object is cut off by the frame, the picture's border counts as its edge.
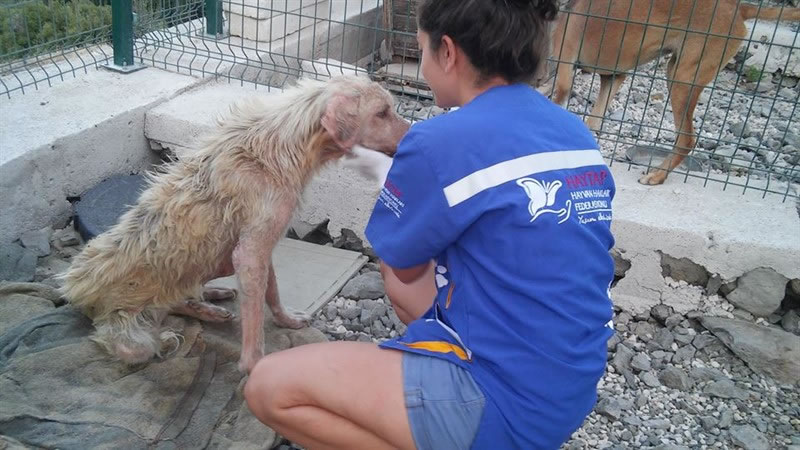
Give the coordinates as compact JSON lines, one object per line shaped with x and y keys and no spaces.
{"x":542,"y":196}
{"x":391,"y":197}
{"x":592,"y":199}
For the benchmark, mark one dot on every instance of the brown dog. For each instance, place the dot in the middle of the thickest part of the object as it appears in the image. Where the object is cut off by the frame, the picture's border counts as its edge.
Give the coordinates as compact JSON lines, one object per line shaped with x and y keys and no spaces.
{"x":221,"y":211}
{"x":611,"y":37}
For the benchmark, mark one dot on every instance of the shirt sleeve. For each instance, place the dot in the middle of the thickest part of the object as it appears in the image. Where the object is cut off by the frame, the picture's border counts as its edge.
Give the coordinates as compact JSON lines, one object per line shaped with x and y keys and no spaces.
{"x":411,"y":222}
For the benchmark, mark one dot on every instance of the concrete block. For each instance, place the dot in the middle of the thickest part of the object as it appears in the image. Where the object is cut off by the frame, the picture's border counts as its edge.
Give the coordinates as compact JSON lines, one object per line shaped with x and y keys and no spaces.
{"x":179,"y":123}
{"x":327,"y":68}
{"x":267,"y":22}
{"x":725,"y":231}
{"x":57,"y":142}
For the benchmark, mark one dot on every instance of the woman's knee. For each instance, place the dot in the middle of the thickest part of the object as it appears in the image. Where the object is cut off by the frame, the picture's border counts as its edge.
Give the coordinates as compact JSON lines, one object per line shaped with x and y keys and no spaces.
{"x":261,"y":391}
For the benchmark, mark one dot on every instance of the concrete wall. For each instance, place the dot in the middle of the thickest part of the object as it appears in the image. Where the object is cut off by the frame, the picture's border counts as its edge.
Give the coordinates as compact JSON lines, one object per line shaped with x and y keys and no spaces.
{"x":57,"y":142}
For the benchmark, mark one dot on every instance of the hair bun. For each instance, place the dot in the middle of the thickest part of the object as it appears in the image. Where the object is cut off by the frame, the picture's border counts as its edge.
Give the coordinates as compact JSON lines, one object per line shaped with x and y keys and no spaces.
{"x":546,"y":8}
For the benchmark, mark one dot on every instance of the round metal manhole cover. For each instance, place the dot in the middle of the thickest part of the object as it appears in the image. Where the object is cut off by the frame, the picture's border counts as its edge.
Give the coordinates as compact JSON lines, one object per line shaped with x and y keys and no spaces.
{"x":101,"y":206}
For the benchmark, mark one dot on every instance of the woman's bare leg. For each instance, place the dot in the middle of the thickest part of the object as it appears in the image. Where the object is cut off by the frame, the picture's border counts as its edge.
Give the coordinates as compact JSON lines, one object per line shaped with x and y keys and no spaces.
{"x":410,"y":301}
{"x":308,"y":394}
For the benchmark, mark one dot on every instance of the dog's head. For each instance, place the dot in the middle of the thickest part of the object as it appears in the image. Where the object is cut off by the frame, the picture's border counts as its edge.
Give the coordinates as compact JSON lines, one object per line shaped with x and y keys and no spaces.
{"x":361,"y":112}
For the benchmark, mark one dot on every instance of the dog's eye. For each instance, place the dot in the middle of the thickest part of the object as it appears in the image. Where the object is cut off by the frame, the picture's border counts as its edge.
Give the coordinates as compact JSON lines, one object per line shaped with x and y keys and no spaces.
{"x":384,"y":112}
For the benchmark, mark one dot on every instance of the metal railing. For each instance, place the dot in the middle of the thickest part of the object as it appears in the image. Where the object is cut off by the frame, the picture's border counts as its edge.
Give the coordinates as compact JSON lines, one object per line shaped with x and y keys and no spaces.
{"x":747,"y":123}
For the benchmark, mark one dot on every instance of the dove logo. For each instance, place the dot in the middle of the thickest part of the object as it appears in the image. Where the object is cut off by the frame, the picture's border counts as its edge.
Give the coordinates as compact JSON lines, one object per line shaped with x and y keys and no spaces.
{"x":542,"y":196}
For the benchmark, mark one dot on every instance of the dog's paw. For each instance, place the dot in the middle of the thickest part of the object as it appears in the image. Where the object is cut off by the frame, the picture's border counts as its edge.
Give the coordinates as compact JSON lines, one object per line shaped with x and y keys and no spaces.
{"x":203,"y":311}
{"x":294,"y":320}
{"x":654,"y":178}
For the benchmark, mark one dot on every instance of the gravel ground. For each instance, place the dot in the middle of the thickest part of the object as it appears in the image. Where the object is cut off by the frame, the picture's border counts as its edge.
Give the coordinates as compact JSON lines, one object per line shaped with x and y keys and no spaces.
{"x":670,"y":382}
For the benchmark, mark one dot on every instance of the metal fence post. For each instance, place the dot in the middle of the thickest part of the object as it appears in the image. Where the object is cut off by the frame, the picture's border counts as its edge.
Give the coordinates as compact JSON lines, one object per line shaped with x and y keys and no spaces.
{"x":122,"y":37}
{"x":214,"y":19}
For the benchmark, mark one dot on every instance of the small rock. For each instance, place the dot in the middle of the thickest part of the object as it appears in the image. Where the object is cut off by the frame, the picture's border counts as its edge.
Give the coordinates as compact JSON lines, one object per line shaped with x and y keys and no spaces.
{"x":17,"y":263}
{"x":623,"y":318}
{"x":632,"y":421}
{"x":702,"y":341}
{"x":725,"y":389}
{"x":749,"y":438}
{"x":684,"y":338}
{"x":350,"y":312}
{"x":640,"y":362}
{"x":658,"y":424}
{"x":372,"y":267}
{"x":37,"y":241}
{"x":330,"y":311}
{"x":610,"y":408}
{"x":791,"y":322}
{"x":675,"y":378}
{"x":348,"y":240}
{"x":664,"y":338}
{"x":379,"y":330}
{"x":622,"y":358}
{"x":661,"y":312}
{"x":743,"y":315}
{"x":650,"y":379}
{"x":673,"y":321}
{"x":644,"y":330}
{"x":684,"y":355}
{"x":365,"y":286}
{"x":714,"y":283}
{"x":702,"y":374}
{"x":725,"y":418}
{"x":759,"y":291}
{"x":630,"y":379}
{"x":371,"y":311}
{"x":708,"y":422}
{"x":612,"y":342}
{"x":641,"y":400}
{"x":739,"y":128}
{"x":774,"y":318}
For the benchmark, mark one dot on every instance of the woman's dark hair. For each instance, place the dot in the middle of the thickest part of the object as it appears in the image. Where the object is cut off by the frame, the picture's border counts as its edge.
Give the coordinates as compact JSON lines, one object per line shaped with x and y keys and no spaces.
{"x":509,"y":38}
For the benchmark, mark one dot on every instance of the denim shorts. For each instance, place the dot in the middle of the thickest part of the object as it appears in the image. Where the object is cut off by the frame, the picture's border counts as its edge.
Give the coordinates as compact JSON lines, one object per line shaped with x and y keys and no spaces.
{"x":443,"y":402}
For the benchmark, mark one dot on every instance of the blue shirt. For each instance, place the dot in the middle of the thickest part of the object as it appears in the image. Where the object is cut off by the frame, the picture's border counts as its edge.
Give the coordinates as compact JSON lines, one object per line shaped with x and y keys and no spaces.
{"x":511,"y":197}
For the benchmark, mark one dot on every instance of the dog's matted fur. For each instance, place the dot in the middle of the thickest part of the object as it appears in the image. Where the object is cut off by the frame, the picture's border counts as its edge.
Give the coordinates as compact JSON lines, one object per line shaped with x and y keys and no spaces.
{"x":611,"y":37}
{"x":222,"y":210}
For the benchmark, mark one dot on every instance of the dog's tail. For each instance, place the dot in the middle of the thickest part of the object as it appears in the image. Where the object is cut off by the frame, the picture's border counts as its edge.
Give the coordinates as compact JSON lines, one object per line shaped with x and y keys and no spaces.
{"x":757,"y":12}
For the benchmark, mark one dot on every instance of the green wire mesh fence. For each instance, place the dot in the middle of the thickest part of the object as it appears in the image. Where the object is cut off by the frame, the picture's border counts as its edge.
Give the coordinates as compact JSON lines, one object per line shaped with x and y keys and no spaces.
{"x":45,"y":41}
{"x":745,"y":122}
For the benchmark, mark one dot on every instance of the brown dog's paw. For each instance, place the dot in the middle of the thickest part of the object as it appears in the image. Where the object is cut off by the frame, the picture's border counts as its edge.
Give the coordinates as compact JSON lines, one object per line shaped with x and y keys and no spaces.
{"x":653,"y":178}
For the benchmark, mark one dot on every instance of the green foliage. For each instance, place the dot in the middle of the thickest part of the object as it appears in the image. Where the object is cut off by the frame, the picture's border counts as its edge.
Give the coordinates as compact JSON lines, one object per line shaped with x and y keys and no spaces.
{"x":35,"y":27}
{"x":753,"y":74}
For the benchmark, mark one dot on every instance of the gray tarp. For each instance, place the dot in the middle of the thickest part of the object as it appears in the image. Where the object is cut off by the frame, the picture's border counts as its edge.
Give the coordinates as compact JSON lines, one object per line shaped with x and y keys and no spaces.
{"x":58,"y":389}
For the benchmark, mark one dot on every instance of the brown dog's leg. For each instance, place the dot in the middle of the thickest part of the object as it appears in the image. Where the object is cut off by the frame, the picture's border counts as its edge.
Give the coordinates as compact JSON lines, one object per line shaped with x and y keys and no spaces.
{"x":609,"y":86}
{"x":566,"y":52}
{"x":685,"y":88}
{"x":282,"y":318}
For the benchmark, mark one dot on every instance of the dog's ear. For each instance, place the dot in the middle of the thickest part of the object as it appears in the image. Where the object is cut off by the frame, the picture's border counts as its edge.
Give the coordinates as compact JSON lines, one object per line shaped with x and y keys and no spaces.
{"x":341,"y":120}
